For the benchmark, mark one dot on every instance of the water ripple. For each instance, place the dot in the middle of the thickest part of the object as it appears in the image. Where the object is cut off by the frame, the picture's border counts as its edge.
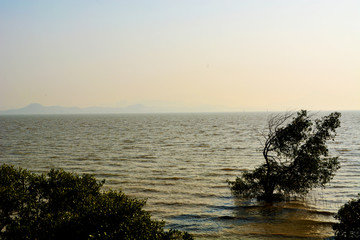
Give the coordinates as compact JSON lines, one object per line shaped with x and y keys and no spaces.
{"x":180,"y":163}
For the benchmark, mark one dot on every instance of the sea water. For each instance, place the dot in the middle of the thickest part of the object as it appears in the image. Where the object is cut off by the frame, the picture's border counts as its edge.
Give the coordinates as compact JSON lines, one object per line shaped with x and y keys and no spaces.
{"x":180,"y":164}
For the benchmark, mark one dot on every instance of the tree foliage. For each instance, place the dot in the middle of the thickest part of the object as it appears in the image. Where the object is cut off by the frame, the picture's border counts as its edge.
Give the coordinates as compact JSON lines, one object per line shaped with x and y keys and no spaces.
{"x":62,"y":205}
{"x":296,"y":158}
{"x":349,"y":221}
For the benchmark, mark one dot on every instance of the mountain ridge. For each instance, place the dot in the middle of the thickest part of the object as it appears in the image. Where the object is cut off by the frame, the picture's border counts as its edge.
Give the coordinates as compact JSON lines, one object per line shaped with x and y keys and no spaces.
{"x":37,"y":108}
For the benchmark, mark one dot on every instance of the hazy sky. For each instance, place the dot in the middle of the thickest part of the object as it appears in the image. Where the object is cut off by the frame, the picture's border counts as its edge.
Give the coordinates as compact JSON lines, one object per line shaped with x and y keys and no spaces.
{"x":234,"y":55}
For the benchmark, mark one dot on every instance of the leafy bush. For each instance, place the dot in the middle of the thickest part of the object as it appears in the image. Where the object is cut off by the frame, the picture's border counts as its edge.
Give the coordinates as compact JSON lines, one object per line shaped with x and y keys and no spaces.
{"x":349,"y":221}
{"x":62,"y":205}
{"x":296,"y":158}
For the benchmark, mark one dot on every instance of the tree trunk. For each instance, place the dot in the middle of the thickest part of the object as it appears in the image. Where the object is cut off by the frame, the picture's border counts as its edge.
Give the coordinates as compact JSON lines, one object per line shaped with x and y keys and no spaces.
{"x":269,"y":192}
{"x":268,"y":184}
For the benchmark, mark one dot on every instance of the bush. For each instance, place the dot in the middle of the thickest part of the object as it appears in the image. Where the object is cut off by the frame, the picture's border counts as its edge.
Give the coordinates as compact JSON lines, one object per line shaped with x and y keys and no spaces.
{"x":349,"y":220}
{"x":62,"y":205}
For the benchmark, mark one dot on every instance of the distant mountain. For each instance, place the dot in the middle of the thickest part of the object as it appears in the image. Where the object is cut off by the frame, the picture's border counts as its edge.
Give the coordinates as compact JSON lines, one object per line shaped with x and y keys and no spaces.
{"x":36,"y":108}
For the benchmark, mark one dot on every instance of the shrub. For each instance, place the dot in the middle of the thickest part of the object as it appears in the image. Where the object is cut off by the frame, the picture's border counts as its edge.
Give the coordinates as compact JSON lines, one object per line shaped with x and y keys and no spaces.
{"x":63,"y":205}
{"x":349,"y":220}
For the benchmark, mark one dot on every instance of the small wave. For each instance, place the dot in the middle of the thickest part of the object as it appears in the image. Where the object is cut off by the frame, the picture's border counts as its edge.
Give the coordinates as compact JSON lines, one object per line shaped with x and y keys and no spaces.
{"x":169,"y":203}
{"x":204,"y":195}
{"x":223,"y":207}
{"x":168,"y":145}
{"x":145,"y":156}
{"x":343,"y":150}
{"x":181,"y":204}
{"x":228,"y":148}
{"x":191,"y":216}
{"x":81,"y":159}
{"x":148,"y":190}
{"x":128,"y":147}
{"x":108,"y":174}
{"x":201,"y":145}
{"x":211,"y":174}
{"x":229,"y":169}
{"x":171,"y":178}
{"x":307,"y":211}
{"x":121,"y":159}
{"x":219,"y":186}
{"x":227,"y":217}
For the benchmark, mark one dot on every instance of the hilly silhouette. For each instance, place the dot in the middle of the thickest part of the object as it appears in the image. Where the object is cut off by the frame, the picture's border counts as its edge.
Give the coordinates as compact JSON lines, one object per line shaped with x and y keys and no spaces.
{"x":36,"y":108}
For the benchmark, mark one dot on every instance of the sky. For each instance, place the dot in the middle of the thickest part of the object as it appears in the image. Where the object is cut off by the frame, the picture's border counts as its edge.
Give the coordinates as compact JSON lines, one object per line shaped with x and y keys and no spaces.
{"x":243,"y":55}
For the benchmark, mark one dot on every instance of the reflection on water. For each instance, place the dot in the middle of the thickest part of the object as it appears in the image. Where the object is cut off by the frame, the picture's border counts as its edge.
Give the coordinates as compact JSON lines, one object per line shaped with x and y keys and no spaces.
{"x":180,"y":164}
{"x":286,"y":220}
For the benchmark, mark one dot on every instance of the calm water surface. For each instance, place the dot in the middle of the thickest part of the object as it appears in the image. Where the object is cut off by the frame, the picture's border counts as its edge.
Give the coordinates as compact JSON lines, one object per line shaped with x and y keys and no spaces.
{"x":180,"y":164}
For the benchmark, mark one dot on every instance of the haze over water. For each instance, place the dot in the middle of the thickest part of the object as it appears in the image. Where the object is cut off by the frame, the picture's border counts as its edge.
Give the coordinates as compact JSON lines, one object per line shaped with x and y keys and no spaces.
{"x":253,"y":55}
{"x":180,"y":163}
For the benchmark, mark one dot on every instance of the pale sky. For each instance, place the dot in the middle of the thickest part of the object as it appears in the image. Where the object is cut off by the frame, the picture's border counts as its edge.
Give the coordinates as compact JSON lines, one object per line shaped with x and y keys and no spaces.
{"x":233,"y":55}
